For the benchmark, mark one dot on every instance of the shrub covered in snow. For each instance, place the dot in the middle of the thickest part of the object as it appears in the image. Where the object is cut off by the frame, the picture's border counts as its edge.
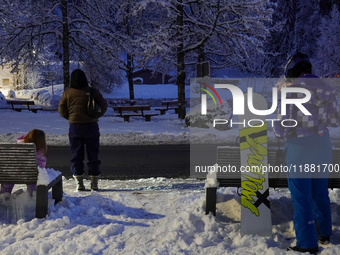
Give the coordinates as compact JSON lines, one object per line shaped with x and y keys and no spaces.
{"x":44,"y":98}
{"x":11,"y":94}
{"x":49,"y":101}
{"x":194,"y":118}
{"x":3,"y":103}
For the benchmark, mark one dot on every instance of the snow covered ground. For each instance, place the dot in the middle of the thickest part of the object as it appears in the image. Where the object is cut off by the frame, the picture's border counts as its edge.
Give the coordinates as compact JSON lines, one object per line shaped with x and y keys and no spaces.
{"x":146,"y":216}
{"x":163,"y":129}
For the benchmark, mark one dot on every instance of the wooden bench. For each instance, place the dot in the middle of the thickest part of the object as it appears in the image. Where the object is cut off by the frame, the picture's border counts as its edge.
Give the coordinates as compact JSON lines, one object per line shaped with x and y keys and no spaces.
{"x":25,"y":105}
{"x":134,"y":111}
{"x":18,"y":165}
{"x":230,"y":155}
{"x":169,"y":105}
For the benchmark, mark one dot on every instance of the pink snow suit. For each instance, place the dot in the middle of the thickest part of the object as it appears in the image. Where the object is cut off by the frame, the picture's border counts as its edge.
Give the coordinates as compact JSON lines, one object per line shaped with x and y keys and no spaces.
{"x":41,"y":160}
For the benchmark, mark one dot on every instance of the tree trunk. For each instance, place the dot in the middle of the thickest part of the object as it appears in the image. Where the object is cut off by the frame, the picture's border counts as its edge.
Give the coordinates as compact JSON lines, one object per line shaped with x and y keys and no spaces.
{"x":180,"y":64}
{"x":129,"y":61}
{"x":66,"y":49}
{"x":129,"y":74}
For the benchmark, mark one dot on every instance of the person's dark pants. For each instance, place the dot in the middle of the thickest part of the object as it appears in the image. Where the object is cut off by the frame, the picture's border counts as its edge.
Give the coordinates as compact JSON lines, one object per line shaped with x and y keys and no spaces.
{"x":84,"y":136}
{"x":309,"y":188}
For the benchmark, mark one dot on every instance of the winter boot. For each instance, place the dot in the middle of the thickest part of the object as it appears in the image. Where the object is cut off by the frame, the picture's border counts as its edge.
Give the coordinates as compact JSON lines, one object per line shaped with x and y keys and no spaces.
{"x":313,"y":250}
{"x":94,"y":182}
{"x":80,"y":182}
{"x":324,"y":239}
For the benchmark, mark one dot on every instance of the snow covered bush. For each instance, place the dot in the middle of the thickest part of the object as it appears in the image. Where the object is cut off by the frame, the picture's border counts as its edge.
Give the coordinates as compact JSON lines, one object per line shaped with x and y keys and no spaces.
{"x":3,"y":103}
{"x":194,"y":118}
{"x":11,"y":94}
{"x":44,"y":98}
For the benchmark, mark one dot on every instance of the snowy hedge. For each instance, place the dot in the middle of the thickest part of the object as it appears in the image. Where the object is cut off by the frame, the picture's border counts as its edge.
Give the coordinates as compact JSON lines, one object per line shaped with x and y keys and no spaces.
{"x":3,"y":103}
{"x":194,"y":118}
{"x":43,"y":96}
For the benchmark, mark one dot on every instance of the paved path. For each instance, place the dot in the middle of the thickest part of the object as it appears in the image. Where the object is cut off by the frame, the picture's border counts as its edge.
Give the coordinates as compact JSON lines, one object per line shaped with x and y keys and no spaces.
{"x":128,"y":162}
{"x":143,"y":161}
{"x":131,"y":162}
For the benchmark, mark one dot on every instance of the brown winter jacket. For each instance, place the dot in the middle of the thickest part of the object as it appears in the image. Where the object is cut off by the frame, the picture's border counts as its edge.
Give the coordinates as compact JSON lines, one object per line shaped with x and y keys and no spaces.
{"x":73,"y":105}
{"x":73,"y":102}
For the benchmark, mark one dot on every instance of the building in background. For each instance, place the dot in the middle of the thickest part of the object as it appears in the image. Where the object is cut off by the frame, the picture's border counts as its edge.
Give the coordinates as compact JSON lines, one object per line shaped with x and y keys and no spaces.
{"x":148,"y":76}
{"x":12,"y":78}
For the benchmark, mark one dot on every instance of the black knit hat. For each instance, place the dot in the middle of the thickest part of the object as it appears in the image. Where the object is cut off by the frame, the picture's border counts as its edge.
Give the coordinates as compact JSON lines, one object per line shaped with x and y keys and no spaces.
{"x":297,"y":63}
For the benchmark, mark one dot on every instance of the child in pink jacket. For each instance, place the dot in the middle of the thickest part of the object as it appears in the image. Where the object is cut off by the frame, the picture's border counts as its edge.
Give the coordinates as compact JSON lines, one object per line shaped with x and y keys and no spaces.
{"x":37,"y":137}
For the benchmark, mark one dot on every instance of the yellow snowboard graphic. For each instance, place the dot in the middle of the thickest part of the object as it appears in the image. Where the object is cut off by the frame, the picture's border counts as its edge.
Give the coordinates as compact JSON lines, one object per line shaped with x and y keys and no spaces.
{"x":255,"y":206}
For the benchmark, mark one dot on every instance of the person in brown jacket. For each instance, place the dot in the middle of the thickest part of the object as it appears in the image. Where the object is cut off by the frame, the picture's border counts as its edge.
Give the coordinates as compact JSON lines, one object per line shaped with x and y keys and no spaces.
{"x":83,"y":130}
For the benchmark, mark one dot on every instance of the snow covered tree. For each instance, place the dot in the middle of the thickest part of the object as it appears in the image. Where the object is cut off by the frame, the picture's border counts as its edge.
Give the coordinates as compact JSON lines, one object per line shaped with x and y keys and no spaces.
{"x":328,"y":47}
{"x":306,"y":32}
{"x":33,"y":78}
{"x":128,"y":22}
{"x":223,"y":32}
{"x":77,"y":30}
{"x":280,"y":42}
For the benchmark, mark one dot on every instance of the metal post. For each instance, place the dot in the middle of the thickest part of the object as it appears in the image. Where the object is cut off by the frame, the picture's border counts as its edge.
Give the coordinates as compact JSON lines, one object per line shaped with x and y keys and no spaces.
{"x":210,"y":200}
{"x":57,"y":191}
{"x":42,"y":202}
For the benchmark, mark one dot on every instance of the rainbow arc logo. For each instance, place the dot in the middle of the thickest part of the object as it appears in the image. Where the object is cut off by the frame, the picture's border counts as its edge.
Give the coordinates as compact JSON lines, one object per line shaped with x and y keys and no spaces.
{"x":204,"y":98}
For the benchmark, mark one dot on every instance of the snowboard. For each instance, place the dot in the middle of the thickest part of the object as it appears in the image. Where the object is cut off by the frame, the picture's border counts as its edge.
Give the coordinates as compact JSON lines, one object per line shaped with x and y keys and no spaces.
{"x":255,"y":206}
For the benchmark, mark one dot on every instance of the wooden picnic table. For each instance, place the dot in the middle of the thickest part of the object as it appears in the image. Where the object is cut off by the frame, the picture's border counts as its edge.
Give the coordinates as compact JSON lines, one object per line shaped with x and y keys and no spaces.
{"x":135,"y":110}
{"x":168,"y":105}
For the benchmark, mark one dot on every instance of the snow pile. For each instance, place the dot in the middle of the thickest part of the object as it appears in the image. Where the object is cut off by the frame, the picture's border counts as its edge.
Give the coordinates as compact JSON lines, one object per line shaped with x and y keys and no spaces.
{"x":17,"y":206}
{"x":147,"y":216}
{"x":47,"y":97}
{"x":46,"y":175}
{"x":194,"y":117}
{"x":3,"y":103}
{"x":7,"y":93}
{"x":44,"y":98}
{"x":212,"y":177}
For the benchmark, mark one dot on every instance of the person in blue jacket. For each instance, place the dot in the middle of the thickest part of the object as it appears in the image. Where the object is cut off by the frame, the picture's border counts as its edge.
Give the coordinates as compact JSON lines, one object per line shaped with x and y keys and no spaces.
{"x":308,"y":144}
